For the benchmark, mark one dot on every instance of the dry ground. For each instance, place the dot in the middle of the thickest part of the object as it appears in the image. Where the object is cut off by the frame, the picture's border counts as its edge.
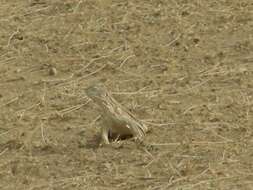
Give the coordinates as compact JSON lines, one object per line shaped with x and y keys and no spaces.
{"x":182,"y":66}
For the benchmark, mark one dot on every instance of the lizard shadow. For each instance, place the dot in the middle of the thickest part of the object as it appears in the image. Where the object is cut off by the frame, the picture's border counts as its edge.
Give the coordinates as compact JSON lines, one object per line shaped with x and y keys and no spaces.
{"x":96,"y":140}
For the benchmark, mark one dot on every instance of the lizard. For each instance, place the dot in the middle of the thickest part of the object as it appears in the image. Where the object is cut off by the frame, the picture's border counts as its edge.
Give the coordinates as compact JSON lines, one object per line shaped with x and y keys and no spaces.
{"x":116,"y":118}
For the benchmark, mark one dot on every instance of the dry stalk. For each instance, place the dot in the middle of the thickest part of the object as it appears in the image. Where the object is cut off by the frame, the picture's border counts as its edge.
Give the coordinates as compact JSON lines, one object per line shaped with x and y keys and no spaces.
{"x":5,"y":150}
{"x":57,"y":81}
{"x":10,"y":101}
{"x":158,"y":158}
{"x":92,"y":61}
{"x":7,"y":60}
{"x":158,"y":124}
{"x":197,"y":86}
{"x":12,"y":36}
{"x":92,"y":73}
{"x":36,"y":11}
{"x":96,"y":59}
{"x":194,"y":185}
{"x":21,"y":113}
{"x":71,"y":109}
{"x":125,"y":60}
{"x":140,"y":91}
{"x":204,"y":143}
{"x":75,"y":10}
{"x":220,"y":136}
{"x":179,"y":36}
{"x":43,"y":133}
{"x":208,"y":71}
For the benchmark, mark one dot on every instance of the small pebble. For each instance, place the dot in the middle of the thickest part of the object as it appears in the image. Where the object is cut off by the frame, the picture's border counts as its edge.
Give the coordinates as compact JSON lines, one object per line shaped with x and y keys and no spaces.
{"x":18,"y":70}
{"x":52,"y":71}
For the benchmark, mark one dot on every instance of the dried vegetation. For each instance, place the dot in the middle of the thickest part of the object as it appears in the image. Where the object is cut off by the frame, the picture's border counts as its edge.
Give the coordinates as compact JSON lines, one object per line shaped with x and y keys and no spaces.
{"x":184,"y":67}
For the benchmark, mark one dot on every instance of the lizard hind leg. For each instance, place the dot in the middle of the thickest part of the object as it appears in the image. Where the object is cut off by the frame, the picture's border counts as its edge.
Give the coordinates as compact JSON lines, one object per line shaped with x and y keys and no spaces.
{"x":115,"y":137}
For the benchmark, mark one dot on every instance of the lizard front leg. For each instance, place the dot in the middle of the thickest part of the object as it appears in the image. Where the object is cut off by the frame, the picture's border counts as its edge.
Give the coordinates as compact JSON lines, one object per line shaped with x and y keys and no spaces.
{"x":105,"y":134}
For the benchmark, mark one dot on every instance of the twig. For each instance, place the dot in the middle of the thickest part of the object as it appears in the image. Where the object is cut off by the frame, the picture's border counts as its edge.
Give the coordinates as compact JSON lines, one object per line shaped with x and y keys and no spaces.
{"x":94,"y":72}
{"x":137,"y":92}
{"x":174,"y":169}
{"x":58,"y":80}
{"x":140,"y":90}
{"x":210,"y":142}
{"x":10,"y":101}
{"x":198,"y":85}
{"x":186,"y":156}
{"x":176,"y":181}
{"x":69,"y":32}
{"x":73,"y":108}
{"x":151,"y":155}
{"x":174,"y":40}
{"x":130,"y":73}
{"x":6,"y":60}
{"x":218,"y":135}
{"x":190,"y":108}
{"x":22,"y":112}
{"x":36,"y":11}
{"x":4,"y":133}
{"x":42,"y":133}
{"x":125,"y":60}
{"x":166,"y":144}
{"x":179,"y":36}
{"x":95,"y":120}
{"x":201,"y":174}
{"x":77,"y":6}
{"x":206,"y":71}
{"x":12,"y":36}
{"x":1,"y":153}
{"x":98,"y":58}
{"x":207,"y":181}
{"x":158,"y":124}
{"x":192,"y":143}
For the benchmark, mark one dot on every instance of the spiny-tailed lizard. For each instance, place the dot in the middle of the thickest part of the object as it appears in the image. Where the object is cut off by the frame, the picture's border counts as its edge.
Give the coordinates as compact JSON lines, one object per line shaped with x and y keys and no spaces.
{"x":117,"y":120}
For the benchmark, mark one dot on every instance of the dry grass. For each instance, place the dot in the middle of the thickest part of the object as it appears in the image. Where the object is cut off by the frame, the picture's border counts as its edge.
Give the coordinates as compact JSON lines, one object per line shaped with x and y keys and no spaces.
{"x":183,"y":67}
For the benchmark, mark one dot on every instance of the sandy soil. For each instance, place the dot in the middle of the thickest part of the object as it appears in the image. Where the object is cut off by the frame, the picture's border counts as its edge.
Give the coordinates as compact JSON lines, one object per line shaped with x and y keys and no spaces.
{"x":183,"y":67}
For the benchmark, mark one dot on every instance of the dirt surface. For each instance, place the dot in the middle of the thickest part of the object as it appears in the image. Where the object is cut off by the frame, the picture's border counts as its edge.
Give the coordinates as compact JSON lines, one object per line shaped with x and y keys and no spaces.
{"x":184,"y":67}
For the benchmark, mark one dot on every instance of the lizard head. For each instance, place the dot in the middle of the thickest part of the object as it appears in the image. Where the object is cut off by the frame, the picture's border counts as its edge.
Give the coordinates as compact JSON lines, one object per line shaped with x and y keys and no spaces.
{"x":97,"y":92}
{"x":101,"y":97}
